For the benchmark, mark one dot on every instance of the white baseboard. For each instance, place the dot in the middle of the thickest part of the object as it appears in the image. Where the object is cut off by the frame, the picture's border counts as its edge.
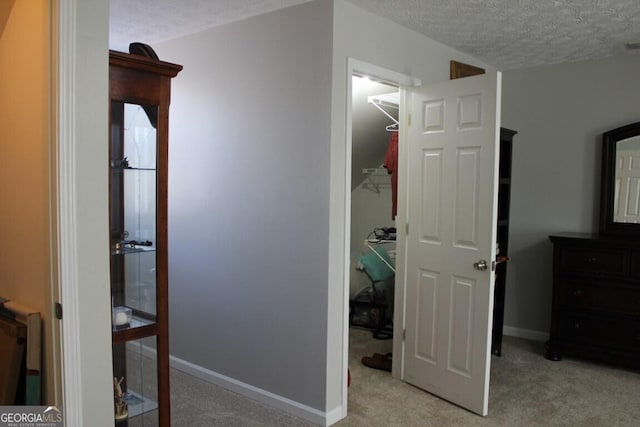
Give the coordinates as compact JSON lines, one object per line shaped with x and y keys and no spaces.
{"x":270,"y":399}
{"x":334,"y":416}
{"x":525,"y":333}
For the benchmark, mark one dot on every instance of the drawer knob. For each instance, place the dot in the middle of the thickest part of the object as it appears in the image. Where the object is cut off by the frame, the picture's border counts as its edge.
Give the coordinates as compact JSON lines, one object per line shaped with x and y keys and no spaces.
{"x":576,"y":325}
{"x":577,"y":292}
{"x":592,"y":260}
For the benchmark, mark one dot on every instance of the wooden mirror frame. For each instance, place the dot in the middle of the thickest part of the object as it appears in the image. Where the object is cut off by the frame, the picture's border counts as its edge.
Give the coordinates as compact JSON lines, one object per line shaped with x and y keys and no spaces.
{"x":607,"y":185}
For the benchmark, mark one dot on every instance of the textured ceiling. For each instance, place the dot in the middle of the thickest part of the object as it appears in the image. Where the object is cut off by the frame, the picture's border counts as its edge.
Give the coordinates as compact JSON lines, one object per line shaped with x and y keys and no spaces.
{"x":508,"y":34}
{"x":520,"y":33}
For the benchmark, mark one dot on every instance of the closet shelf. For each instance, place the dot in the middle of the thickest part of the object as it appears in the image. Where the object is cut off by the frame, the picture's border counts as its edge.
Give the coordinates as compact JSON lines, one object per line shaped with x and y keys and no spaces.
{"x":391,"y":100}
{"x":378,"y":241}
{"x":115,"y":169}
{"x":132,"y":250}
{"x":388,"y":100}
{"x":376,"y":171}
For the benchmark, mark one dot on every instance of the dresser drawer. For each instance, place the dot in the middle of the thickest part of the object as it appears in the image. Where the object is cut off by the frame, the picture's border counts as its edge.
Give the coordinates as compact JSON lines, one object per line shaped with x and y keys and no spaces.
{"x":635,"y":265}
{"x":594,"y":261}
{"x":602,"y":296}
{"x":599,"y":331}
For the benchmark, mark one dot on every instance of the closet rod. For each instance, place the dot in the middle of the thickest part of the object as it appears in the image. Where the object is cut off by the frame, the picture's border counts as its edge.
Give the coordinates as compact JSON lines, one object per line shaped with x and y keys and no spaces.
{"x":390,"y":100}
{"x":376,"y":171}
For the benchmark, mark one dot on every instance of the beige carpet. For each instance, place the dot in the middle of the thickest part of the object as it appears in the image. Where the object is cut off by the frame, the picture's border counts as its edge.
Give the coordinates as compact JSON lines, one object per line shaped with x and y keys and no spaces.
{"x":195,"y":403}
{"x":526,"y":390}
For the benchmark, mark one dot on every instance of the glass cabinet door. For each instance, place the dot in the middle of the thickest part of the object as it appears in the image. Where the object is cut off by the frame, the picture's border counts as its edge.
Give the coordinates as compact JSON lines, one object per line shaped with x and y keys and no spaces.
{"x":133,"y":215}
{"x":138,"y":382}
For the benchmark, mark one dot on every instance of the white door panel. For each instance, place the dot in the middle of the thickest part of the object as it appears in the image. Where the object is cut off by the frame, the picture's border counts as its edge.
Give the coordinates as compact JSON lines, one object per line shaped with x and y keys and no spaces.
{"x":452,"y":190}
{"x":627,"y":188}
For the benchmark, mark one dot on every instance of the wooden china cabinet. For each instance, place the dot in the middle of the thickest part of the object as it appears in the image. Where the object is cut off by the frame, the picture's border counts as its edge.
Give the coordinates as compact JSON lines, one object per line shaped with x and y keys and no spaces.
{"x":139,"y":92}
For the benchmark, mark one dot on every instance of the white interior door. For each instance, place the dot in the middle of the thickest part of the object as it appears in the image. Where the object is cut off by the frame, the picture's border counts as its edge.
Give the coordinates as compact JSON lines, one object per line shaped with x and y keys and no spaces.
{"x":627,"y":192}
{"x":451,"y":213}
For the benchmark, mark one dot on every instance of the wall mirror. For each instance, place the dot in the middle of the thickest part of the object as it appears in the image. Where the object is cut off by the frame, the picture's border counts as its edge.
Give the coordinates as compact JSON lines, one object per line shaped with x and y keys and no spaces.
{"x":620,"y":185}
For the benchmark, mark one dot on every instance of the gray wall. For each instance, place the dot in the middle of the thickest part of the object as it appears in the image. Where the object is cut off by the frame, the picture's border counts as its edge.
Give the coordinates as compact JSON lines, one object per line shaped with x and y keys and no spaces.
{"x":560,"y":113}
{"x":248,"y":200}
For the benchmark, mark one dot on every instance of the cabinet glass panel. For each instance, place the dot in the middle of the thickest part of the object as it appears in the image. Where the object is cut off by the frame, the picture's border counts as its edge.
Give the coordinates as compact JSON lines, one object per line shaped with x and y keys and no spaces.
{"x":133,"y":189}
{"x":135,"y":383}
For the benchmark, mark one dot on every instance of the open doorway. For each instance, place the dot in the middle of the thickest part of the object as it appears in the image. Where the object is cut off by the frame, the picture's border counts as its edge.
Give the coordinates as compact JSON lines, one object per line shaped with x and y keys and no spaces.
{"x":369,"y":185}
{"x":374,"y":160}
{"x":433,"y":154}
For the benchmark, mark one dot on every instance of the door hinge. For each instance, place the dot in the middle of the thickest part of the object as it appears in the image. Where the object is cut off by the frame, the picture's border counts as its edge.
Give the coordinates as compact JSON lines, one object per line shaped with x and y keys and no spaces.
{"x":406,"y":229}
{"x":404,"y":334}
{"x":409,"y":120}
{"x":493,"y":266}
{"x":58,"y":311}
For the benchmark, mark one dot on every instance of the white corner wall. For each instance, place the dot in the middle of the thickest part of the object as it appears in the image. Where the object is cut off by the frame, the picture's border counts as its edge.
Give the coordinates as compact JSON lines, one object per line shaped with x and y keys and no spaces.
{"x":560,"y":113}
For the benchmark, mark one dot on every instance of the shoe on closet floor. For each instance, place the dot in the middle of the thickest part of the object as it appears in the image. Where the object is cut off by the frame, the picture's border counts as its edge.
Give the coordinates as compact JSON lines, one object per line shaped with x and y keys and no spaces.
{"x":379,"y":361}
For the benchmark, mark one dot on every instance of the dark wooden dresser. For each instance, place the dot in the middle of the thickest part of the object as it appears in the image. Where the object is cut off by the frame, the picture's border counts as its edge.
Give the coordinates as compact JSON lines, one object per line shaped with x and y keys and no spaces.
{"x":596,"y":299}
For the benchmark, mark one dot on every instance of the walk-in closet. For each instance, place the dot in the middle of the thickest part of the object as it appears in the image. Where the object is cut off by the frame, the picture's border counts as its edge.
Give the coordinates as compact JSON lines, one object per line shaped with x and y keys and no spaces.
{"x":373,"y":228}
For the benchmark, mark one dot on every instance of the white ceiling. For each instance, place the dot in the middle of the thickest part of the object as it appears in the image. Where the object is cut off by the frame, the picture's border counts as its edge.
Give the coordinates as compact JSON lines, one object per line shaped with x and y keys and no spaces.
{"x":508,"y":34}
{"x":153,"y":21}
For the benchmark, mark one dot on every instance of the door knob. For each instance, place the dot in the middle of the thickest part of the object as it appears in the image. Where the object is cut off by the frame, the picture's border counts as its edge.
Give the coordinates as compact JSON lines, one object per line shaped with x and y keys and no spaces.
{"x":480,"y":265}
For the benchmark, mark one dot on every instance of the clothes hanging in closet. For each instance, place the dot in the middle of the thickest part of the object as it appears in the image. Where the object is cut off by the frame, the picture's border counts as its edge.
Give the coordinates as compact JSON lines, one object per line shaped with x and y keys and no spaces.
{"x":391,"y":164}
